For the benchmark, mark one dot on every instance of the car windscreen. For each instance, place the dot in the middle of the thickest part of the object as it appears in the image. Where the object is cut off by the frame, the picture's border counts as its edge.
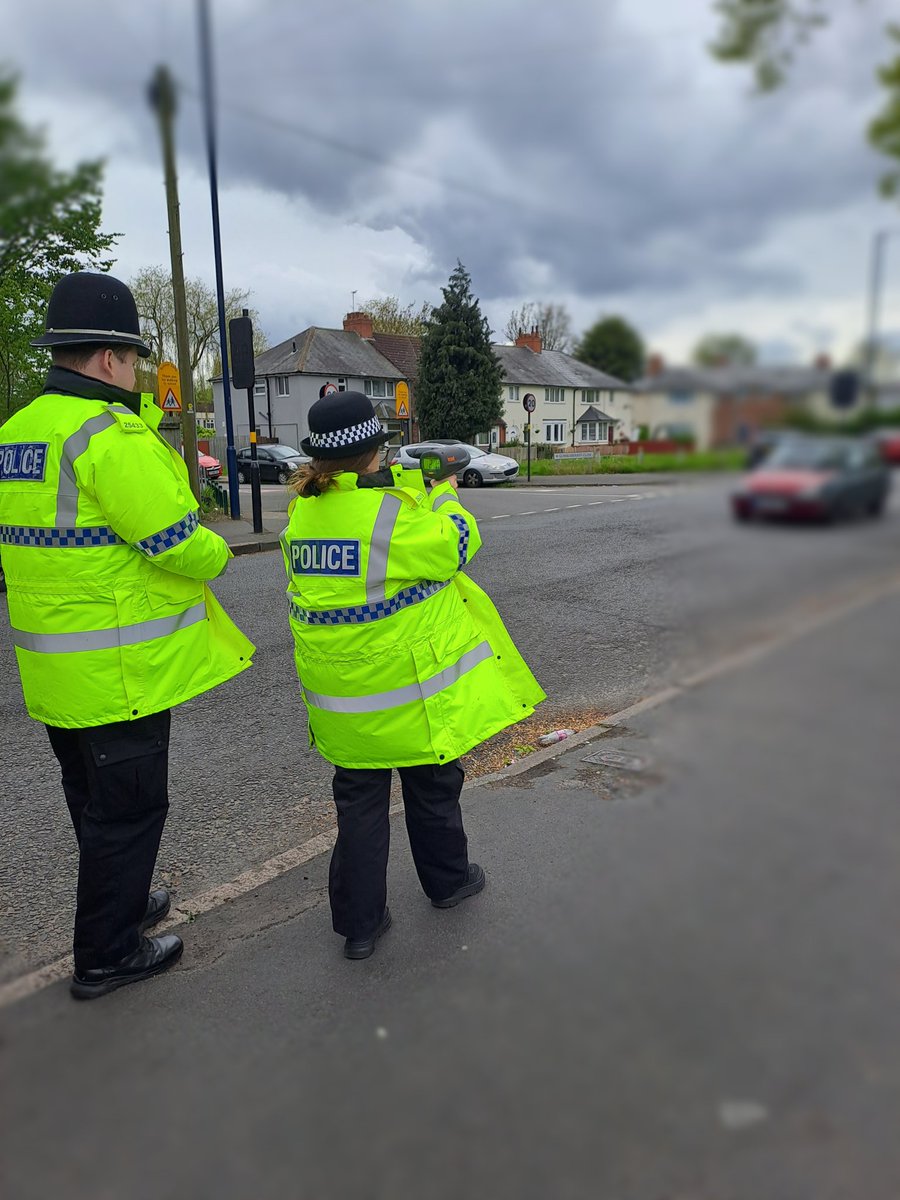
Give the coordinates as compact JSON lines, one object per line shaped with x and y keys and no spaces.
{"x":809,"y":456}
{"x":284,"y":452}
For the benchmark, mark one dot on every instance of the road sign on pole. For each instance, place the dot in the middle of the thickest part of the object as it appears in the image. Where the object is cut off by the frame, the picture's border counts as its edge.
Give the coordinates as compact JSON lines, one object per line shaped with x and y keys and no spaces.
{"x":402,"y":401}
{"x":169,"y":383}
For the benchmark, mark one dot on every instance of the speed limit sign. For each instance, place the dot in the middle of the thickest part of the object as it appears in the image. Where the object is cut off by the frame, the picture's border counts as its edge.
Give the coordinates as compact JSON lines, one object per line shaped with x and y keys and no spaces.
{"x":529,"y":403}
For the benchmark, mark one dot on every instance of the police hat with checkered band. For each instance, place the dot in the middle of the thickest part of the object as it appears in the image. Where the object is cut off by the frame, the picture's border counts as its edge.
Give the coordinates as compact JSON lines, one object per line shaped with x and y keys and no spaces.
{"x":90,"y":309}
{"x":342,"y":425}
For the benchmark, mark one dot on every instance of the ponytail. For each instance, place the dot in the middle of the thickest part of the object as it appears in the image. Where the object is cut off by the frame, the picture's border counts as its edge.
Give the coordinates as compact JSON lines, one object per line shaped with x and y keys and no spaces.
{"x":318,"y":475}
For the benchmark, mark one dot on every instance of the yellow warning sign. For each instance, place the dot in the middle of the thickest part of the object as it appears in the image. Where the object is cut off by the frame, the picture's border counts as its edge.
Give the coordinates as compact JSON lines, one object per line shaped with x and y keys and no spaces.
{"x":169,"y":385}
{"x":402,"y":401}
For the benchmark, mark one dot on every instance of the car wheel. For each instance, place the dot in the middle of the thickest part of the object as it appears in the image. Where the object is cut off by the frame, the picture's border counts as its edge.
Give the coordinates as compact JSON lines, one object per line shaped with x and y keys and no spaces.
{"x":283,"y":476}
{"x":472,"y":479}
{"x":243,"y":477}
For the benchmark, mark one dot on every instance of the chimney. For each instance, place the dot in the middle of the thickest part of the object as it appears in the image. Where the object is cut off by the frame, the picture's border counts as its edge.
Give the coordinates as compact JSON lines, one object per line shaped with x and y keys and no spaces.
{"x":822,"y":362}
{"x":531,"y":339}
{"x":359,"y":322}
{"x":655,"y":364}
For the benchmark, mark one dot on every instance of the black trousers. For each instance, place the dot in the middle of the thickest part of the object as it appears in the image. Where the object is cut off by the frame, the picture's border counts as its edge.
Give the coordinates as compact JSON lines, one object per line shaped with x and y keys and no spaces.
{"x":115,"y":779}
{"x":357,"y":880}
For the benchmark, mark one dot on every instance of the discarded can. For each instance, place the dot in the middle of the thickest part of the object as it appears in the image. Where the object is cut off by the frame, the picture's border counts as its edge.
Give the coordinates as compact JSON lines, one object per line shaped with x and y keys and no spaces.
{"x":556,"y":736}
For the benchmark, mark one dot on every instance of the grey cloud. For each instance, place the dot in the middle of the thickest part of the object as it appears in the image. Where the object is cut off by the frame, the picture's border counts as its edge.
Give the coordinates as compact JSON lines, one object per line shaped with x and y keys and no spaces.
{"x":621,"y":166}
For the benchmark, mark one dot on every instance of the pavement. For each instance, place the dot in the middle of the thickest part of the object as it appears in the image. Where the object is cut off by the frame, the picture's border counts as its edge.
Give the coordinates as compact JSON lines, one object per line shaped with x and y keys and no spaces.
{"x":681,"y":983}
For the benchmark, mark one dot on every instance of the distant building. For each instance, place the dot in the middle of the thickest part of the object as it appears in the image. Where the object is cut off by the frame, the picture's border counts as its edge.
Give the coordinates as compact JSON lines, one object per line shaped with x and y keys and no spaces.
{"x":727,"y":405}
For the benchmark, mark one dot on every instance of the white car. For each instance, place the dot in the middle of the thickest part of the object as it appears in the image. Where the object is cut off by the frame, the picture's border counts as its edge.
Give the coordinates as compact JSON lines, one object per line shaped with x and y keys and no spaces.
{"x":484,"y":467}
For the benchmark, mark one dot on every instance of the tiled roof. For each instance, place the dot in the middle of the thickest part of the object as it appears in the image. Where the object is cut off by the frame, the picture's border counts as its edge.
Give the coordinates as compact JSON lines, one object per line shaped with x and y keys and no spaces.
{"x":593,"y":414}
{"x":318,"y":351}
{"x":402,"y":349}
{"x":552,"y":368}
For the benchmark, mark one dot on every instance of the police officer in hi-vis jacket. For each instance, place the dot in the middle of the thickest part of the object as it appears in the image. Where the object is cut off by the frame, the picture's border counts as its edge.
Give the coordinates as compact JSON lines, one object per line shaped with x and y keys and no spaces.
{"x":112,"y":621}
{"x":403,"y":661}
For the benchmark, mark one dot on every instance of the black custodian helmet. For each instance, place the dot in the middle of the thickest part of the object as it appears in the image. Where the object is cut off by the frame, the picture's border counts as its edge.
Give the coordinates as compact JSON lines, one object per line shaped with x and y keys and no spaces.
{"x":342,"y":425}
{"x":87,"y":308}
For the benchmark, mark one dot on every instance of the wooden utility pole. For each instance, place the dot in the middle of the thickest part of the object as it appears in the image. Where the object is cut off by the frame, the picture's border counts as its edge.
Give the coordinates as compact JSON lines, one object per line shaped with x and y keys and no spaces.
{"x":162,"y":97}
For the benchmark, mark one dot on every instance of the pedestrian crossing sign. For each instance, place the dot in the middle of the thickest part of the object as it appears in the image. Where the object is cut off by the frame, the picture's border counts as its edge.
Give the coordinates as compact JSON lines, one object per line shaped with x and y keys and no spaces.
{"x":169,"y":387}
{"x":401,"y":401}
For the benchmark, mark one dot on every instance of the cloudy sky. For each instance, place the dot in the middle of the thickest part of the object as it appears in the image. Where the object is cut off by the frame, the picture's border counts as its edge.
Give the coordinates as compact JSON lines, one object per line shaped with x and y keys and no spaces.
{"x":587,"y":152}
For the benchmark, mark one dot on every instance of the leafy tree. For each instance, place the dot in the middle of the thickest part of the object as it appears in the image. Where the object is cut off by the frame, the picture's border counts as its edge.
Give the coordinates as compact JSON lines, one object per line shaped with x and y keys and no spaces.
{"x":389,"y":317}
{"x":765,"y":35}
{"x":153,"y":294}
{"x":552,"y":320}
{"x":724,"y":349}
{"x":49,"y":226}
{"x":460,"y":378}
{"x":613,"y":346}
{"x":884,"y":130}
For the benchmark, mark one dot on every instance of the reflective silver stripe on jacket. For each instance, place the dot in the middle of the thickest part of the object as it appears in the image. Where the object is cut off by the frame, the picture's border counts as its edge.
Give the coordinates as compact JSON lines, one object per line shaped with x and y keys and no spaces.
{"x":158,"y":543}
{"x":32,"y":535}
{"x":362,"y":614}
{"x":380,"y":546}
{"x":109,"y":639}
{"x":445,"y":499}
{"x":73,"y":447}
{"x":379,"y":701}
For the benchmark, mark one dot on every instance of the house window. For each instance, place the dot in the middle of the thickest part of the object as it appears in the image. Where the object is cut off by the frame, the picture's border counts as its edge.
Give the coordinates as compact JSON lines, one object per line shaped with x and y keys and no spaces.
{"x":555,"y":432}
{"x":680,"y":397}
{"x":482,"y":439}
{"x":554,"y":395}
{"x":590,"y":395}
{"x":342,"y":384}
{"x":379,"y":389}
{"x":594,"y":431}
{"x":513,"y":396}
{"x":259,"y":388}
{"x":282,"y":385}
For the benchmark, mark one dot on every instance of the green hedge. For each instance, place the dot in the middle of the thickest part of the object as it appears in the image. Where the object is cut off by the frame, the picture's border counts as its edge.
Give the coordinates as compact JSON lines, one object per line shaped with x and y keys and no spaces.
{"x":633,"y":464}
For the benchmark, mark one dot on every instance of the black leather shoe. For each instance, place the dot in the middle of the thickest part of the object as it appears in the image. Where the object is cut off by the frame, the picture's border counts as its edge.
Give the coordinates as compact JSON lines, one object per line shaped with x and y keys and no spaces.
{"x":363,"y":947}
{"x":158,"y":905}
{"x":475,"y":881}
{"x":152,"y":956}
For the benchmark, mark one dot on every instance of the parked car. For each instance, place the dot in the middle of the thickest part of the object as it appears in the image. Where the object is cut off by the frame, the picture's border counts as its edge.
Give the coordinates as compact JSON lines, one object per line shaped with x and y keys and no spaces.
{"x":888,"y":443}
{"x":484,"y":467}
{"x":816,"y":478}
{"x":276,"y":463}
{"x":210,"y":465}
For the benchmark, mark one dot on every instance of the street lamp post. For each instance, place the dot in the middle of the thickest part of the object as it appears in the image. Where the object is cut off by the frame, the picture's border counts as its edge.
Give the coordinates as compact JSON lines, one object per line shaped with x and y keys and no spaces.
{"x":876,"y":271}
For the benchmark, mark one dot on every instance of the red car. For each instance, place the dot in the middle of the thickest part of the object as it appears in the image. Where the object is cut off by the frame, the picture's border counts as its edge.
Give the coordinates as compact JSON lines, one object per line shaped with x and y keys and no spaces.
{"x":210,"y":465}
{"x":888,"y":442}
{"x":816,"y":479}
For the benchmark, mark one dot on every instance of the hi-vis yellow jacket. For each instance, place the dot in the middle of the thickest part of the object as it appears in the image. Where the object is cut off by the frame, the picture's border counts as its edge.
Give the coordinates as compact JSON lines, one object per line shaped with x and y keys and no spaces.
{"x":105,"y":560}
{"x":402,"y":659}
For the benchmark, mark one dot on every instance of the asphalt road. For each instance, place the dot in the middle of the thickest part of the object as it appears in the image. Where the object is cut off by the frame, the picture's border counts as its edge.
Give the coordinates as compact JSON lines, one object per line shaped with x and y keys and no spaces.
{"x":611,"y":593}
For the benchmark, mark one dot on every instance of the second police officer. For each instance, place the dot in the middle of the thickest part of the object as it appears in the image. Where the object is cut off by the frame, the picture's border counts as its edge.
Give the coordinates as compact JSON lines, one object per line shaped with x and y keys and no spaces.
{"x":403,"y":661}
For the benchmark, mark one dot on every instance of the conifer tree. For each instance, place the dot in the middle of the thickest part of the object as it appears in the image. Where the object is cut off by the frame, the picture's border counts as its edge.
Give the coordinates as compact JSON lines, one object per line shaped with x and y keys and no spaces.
{"x":460,"y":377}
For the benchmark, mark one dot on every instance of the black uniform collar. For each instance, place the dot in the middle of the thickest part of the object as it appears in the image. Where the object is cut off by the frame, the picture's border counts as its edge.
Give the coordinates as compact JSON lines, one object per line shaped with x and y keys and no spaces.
{"x":62,"y":381}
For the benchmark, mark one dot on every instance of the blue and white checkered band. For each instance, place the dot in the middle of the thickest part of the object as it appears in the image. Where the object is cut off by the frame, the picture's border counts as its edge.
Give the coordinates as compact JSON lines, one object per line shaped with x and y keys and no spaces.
{"x":463,"y":526}
{"x":362,"y":614}
{"x":346,"y":437}
{"x":30,"y":535}
{"x":158,"y":543}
